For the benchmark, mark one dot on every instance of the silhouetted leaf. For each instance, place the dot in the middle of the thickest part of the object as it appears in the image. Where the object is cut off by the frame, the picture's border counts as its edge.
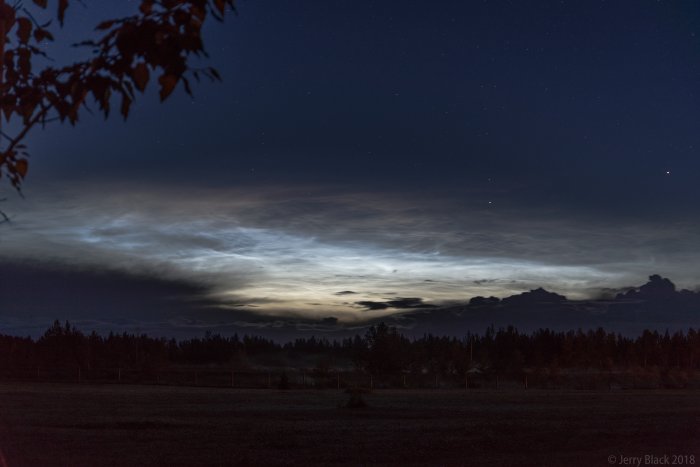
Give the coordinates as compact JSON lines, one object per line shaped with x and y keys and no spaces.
{"x":146,"y":6}
{"x":25,"y":61}
{"x":24,"y":30}
{"x":126,"y":104}
{"x":7,"y":111}
{"x":41,"y":3}
{"x":167,"y":85}
{"x":40,"y":34}
{"x":140,"y":76}
{"x":62,"y":6}
{"x":188,"y":89}
{"x":220,"y":5}
{"x":21,"y":167}
{"x":7,"y":16}
{"x":105,"y":25}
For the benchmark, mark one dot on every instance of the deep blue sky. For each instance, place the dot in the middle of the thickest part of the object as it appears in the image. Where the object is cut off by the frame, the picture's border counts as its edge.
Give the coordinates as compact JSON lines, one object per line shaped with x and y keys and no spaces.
{"x":523,"y":143}
{"x":553,"y":95}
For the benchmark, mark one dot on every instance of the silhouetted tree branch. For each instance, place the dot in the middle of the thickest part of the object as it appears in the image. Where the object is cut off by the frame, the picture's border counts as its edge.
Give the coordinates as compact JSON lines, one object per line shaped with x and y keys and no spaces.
{"x":156,"y":43}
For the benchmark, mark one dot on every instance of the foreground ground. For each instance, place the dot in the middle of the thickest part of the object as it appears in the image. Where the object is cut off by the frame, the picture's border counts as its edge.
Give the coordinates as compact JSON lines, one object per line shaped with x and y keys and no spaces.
{"x":42,"y":424}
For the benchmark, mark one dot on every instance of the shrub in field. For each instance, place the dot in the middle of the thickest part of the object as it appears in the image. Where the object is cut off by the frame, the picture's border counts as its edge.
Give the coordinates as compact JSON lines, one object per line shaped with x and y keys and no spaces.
{"x":356,"y":400}
{"x":284,"y":382}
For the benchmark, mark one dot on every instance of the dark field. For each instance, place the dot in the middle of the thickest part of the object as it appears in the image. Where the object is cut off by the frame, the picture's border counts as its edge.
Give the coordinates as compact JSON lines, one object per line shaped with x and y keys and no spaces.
{"x":43,"y":424}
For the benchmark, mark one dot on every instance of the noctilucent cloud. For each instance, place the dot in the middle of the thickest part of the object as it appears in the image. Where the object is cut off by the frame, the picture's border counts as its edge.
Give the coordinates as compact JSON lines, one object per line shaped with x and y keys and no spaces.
{"x":370,"y":151}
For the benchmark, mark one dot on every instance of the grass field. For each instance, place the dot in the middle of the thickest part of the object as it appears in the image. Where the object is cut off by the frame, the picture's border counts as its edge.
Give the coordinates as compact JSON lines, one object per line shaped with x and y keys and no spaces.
{"x":72,"y":425}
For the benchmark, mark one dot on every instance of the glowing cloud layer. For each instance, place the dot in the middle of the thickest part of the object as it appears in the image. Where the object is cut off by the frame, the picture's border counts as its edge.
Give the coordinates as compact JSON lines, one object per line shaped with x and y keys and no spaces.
{"x":319,"y":254}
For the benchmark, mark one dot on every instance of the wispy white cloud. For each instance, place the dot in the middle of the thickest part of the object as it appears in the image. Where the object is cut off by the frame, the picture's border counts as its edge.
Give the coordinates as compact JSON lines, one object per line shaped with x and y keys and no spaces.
{"x":278,"y":251}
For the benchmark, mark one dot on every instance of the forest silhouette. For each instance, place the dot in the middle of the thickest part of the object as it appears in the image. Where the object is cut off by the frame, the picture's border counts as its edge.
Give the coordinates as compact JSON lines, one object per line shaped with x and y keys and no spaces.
{"x":382,"y":350}
{"x":669,"y":358}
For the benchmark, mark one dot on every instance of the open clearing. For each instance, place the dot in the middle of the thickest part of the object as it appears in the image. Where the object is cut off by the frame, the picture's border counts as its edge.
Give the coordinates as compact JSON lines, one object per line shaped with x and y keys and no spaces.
{"x":52,"y":424}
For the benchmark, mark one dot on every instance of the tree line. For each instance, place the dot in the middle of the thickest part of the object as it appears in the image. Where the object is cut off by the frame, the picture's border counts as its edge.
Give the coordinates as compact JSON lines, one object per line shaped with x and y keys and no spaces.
{"x":381,"y":350}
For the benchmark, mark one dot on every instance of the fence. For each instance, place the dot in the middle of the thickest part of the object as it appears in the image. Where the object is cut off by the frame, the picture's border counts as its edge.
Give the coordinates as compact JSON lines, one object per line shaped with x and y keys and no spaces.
{"x":343,"y":379}
{"x":249,"y":379}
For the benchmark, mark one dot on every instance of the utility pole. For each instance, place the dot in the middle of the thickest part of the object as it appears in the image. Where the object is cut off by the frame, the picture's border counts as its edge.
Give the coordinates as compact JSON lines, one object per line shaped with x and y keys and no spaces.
{"x":471,"y":351}
{"x":7,"y":14}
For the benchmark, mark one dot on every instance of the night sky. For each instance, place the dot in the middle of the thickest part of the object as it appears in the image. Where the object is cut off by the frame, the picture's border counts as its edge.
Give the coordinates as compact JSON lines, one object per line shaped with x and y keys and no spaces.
{"x":362,"y":151}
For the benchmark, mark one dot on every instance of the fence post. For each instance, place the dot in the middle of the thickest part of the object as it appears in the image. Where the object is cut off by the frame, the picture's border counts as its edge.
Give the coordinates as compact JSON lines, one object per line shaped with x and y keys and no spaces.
{"x":196,"y":378}
{"x":404,"y":381}
{"x":496,"y":382}
{"x":436,"y":381}
{"x":79,"y":376}
{"x":303,"y":378}
{"x":269,"y":381}
{"x":466,"y":383}
{"x":119,"y":375}
{"x":233,"y":383}
{"x":37,"y":373}
{"x":371,"y":382}
{"x":338,"y":381}
{"x":525,"y":381}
